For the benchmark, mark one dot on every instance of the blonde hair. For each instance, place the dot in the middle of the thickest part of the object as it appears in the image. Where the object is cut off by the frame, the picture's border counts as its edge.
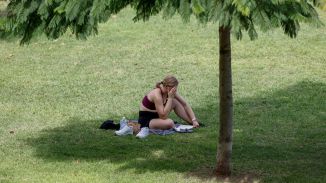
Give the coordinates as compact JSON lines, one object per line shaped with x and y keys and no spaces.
{"x":169,"y":80}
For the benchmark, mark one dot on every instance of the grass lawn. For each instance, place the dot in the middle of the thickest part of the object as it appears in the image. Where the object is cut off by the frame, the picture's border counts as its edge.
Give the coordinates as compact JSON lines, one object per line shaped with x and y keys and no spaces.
{"x":55,"y":94}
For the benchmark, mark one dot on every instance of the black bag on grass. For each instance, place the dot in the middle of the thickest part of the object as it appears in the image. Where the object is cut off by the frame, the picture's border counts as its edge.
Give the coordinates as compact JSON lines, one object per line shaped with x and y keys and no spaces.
{"x":109,"y":125}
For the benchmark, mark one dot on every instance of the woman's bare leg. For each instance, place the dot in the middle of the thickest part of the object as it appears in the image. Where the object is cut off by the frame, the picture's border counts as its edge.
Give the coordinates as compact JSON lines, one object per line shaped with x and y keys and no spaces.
{"x":180,"y":111}
{"x":163,"y":124}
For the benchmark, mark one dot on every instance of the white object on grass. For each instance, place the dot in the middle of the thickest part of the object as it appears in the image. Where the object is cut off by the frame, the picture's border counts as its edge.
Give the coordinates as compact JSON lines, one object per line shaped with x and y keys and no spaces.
{"x":183,"y":128}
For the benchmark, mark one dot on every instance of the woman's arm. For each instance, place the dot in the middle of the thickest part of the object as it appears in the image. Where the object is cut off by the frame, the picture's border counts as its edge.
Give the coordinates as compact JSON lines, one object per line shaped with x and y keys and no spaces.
{"x":188,"y":109}
{"x":163,"y":111}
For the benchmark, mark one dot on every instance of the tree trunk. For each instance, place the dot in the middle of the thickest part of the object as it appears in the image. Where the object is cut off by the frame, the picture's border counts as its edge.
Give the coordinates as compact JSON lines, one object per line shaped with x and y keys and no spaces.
{"x":224,"y":149}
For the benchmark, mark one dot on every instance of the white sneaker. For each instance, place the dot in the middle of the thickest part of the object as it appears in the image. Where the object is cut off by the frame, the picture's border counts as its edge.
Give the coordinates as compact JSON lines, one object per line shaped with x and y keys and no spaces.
{"x":144,"y":132}
{"x":126,"y":130}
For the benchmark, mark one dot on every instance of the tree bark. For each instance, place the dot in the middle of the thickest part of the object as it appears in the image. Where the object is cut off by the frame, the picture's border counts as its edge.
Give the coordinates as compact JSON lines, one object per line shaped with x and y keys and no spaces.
{"x":224,"y":149}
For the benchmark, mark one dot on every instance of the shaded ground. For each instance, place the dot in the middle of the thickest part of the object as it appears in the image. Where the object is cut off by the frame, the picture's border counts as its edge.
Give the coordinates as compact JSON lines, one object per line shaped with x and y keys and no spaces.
{"x":277,"y":137}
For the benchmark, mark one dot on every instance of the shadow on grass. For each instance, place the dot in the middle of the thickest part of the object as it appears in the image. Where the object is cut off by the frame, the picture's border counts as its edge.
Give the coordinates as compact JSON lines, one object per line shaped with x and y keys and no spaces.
{"x":279,"y":136}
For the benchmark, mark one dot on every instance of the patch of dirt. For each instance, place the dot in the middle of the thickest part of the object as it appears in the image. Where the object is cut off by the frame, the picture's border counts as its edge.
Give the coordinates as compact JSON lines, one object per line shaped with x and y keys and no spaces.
{"x":208,"y":174}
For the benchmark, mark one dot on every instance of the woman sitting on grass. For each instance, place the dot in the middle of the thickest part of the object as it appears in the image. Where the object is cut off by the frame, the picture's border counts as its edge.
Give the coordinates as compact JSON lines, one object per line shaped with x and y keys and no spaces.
{"x":156,"y":106}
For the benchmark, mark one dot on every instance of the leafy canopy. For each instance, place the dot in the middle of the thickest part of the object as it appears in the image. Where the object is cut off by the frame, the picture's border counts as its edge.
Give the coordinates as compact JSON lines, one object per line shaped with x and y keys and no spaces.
{"x":26,"y":18}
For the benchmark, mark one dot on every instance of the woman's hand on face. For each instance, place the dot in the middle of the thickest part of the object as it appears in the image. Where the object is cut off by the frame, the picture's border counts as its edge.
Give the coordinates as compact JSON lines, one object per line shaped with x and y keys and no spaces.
{"x":172,"y":92}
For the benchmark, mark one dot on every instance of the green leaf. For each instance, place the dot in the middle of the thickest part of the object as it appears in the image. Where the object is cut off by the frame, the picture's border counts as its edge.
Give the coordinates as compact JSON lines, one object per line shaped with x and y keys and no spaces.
{"x":215,"y":10}
{"x":61,"y":9}
{"x":242,"y":7}
{"x":196,"y":7}
{"x":72,"y":9}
